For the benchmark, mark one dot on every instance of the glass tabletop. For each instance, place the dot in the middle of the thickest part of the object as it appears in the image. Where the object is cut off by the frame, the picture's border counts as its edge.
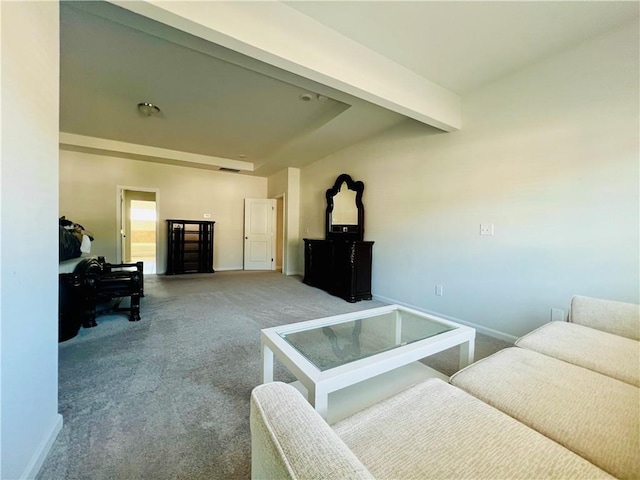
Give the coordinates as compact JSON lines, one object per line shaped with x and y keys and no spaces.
{"x":337,"y":344}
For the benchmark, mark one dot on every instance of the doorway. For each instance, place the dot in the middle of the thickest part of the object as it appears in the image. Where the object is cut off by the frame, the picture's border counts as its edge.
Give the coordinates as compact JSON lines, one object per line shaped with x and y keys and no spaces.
{"x":139,"y":227}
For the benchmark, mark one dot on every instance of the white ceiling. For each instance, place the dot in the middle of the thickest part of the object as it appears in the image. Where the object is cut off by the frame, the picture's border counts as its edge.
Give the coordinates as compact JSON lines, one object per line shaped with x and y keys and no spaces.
{"x":108,"y":68}
{"x":463,"y":45}
{"x":225,"y":106}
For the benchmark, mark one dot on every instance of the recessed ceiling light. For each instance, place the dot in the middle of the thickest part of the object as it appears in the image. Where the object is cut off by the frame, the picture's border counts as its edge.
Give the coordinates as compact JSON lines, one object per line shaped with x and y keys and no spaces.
{"x":148,"y":109}
{"x":306,"y":97}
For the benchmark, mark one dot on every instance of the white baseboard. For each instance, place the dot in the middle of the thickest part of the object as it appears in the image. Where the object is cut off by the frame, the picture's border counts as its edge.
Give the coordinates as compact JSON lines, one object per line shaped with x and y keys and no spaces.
{"x":241,"y":267}
{"x":35,"y":464}
{"x":294,"y":272}
{"x":479,"y":328}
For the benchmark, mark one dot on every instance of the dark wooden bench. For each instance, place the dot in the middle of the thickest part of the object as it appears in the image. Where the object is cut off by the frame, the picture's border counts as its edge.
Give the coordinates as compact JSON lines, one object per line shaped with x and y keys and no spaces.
{"x":95,"y":282}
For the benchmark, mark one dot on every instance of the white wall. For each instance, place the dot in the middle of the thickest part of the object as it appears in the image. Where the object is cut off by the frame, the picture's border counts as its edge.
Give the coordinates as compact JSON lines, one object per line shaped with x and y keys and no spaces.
{"x":29,"y":251}
{"x":88,"y":187}
{"x":294,"y":243}
{"x":287,"y":182}
{"x":549,"y":155}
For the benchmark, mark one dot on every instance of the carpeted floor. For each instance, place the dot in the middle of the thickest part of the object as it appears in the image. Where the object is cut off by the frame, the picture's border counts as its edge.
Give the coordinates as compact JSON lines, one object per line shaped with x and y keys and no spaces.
{"x":168,"y":397}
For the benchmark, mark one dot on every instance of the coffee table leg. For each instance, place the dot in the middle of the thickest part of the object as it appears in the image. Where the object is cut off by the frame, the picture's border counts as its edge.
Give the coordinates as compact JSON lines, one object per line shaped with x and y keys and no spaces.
{"x":319,"y":400}
{"x":467,"y":352}
{"x":267,"y":364}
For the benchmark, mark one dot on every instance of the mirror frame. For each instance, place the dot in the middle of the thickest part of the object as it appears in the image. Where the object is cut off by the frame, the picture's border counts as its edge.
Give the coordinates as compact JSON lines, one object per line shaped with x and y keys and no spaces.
{"x":345,"y":232}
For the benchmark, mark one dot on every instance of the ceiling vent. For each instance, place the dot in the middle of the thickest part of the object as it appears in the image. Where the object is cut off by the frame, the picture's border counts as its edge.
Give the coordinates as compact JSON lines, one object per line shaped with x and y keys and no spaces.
{"x":225,"y":169}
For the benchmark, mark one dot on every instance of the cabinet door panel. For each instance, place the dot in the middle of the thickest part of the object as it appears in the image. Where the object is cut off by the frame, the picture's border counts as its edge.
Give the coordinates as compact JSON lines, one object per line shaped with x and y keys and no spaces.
{"x":362,"y":270}
{"x":318,"y":263}
{"x":342,"y":268}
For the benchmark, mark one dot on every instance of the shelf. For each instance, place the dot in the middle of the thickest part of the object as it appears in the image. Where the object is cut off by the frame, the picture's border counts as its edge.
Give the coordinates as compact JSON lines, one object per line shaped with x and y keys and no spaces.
{"x":189,"y":247}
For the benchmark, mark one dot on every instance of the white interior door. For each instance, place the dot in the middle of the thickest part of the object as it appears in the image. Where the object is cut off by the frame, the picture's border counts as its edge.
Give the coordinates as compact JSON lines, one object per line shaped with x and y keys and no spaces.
{"x":259,"y":227}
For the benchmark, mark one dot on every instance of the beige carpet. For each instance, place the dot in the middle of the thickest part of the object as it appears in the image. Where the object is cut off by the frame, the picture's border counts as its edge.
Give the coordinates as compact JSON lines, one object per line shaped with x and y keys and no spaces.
{"x":168,"y":397}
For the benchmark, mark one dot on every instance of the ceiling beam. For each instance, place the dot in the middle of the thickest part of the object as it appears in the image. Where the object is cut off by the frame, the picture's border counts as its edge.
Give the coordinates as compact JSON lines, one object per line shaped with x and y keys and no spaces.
{"x":71,"y":141}
{"x":281,"y":36}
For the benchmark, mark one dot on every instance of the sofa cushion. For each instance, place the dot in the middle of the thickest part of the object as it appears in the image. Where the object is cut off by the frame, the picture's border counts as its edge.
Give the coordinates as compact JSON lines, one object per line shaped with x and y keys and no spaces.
{"x":611,"y":355}
{"x":589,"y":413}
{"x":436,"y":431}
{"x":290,"y":440}
{"x":610,"y":316}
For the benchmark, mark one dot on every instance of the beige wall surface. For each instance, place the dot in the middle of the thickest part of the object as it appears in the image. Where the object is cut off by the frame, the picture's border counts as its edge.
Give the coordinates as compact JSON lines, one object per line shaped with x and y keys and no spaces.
{"x":279,"y":231}
{"x":294,"y":241}
{"x":548,"y":155}
{"x":88,"y":195}
{"x":287,"y":183}
{"x":29,"y":254}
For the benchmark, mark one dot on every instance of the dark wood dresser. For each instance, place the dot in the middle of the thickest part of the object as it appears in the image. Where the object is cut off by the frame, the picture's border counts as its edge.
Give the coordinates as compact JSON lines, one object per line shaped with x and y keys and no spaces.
{"x":340,"y":267}
{"x":189,"y":246}
{"x":341,"y":263}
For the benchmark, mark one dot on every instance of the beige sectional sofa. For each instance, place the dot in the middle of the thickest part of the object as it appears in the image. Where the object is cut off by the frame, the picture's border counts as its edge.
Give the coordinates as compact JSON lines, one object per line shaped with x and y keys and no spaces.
{"x":601,"y":335}
{"x":563,"y":404}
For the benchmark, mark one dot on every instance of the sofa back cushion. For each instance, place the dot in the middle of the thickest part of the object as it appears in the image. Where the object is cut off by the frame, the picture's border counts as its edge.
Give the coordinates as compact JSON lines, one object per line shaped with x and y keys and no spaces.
{"x":610,"y":316}
{"x":612,"y":355}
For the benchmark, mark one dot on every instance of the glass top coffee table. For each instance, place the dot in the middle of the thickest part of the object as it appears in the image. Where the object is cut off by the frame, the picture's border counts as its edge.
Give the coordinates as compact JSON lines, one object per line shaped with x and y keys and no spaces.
{"x":333,"y":353}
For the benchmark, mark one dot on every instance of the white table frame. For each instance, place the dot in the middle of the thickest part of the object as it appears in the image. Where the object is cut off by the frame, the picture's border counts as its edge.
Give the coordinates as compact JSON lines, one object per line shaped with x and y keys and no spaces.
{"x":319,"y":384}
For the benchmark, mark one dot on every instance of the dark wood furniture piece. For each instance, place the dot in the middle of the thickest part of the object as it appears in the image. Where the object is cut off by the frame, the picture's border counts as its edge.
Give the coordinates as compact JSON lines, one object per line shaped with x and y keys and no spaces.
{"x":340,"y":267}
{"x":93,"y":283}
{"x":341,"y":263}
{"x":189,"y":247}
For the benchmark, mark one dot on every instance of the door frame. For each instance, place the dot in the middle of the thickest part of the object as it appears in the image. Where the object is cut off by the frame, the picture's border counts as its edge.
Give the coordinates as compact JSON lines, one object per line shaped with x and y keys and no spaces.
{"x":281,"y":212}
{"x":120,"y":227}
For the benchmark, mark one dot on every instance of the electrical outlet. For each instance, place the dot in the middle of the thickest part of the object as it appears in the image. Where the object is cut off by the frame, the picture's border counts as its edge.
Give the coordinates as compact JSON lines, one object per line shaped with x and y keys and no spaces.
{"x":486,"y":229}
{"x":207,"y":215}
{"x":439,"y":290}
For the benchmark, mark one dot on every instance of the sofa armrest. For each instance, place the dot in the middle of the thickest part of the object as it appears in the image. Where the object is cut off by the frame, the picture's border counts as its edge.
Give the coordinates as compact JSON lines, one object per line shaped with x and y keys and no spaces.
{"x":289,"y":439}
{"x":609,"y":316}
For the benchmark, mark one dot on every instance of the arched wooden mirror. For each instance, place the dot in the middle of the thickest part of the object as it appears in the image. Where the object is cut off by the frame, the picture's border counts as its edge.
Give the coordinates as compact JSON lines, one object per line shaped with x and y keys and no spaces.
{"x":345,"y":211}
